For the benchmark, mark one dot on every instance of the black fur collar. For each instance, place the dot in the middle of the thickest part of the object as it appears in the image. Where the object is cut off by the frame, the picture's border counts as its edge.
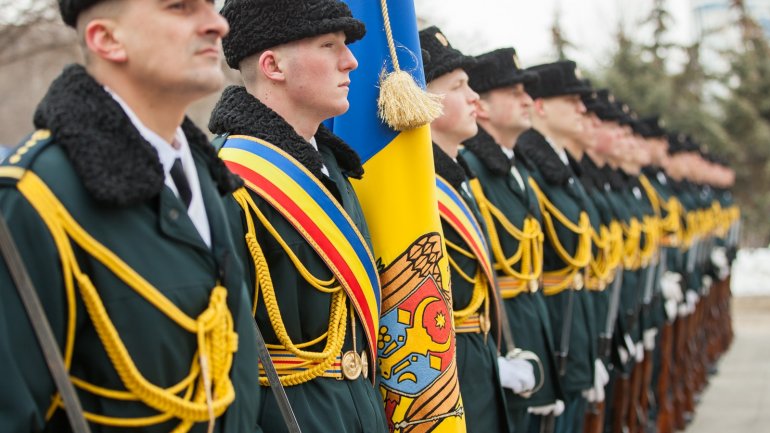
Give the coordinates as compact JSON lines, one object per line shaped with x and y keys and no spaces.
{"x":238,"y":112}
{"x":534,"y":147}
{"x":453,"y":172}
{"x":617,"y":181}
{"x":489,"y":152}
{"x":592,"y":174}
{"x":117,"y":166}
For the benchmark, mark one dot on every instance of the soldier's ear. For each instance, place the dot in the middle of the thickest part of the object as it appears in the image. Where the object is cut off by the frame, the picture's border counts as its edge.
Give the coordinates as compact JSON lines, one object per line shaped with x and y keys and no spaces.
{"x":538,"y":107}
{"x":482,"y":109}
{"x":102,"y":38}
{"x":269,"y":65}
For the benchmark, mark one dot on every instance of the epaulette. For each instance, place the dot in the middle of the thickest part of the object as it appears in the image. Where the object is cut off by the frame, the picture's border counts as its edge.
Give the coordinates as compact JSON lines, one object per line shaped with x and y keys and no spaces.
{"x":13,"y":167}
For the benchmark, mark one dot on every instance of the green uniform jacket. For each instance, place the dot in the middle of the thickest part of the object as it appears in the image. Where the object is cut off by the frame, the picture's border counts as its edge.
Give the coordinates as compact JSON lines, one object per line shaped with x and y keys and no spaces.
{"x":322,"y":404}
{"x":560,"y":185}
{"x":479,"y":378}
{"x":594,"y":183}
{"x":111,"y":181}
{"x":630,"y":296}
{"x":527,"y":313}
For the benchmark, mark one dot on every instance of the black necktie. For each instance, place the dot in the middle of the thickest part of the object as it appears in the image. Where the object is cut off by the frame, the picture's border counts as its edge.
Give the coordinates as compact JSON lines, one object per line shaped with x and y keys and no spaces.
{"x":180,"y":180}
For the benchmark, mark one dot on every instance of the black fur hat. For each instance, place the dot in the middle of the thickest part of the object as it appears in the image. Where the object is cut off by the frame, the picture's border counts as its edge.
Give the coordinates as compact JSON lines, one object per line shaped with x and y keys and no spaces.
{"x":655,"y":127}
{"x":498,"y":68}
{"x":256,"y":25}
{"x":557,"y":79}
{"x":442,"y":58}
{"x":70,"y":9}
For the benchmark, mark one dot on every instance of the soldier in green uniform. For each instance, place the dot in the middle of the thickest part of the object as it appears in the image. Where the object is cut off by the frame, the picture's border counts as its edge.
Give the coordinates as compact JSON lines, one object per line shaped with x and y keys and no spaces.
{"x":511,"y":212}
{"x":557,"y":117}
{"x":116,"y":204}
{"x":474,"y":299}
{"x":309,"y":293}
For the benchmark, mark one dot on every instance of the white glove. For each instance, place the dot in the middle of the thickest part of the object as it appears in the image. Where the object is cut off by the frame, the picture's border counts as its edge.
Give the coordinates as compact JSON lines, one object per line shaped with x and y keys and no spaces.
{"x":602,"y":376}
{"x":671,"y":306}
{"x":719,"y":260}
{"x":706,"y":281}
{"x":595,"y":394}
{"x":671,"y":286}
{"x":557,"y":408}
{"x":516,"y":374}
{"x":639,"y":352}
{"x":692,"y":299}
{"x":623,"y":354}
{"x":649,"y":338}
{"x":684,"y":310}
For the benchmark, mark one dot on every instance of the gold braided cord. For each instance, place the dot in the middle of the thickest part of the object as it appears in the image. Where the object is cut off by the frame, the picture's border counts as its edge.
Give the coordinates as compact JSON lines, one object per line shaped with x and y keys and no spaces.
{"x":530,"y":237}
{"x":599,"y":265}
{"x":217,"y":342}
{"x":478,"y":298}
{"x":651,"y":231}
{"x":321,"y":361}
{"x":582,"y":229}
{"x":632,"y":233}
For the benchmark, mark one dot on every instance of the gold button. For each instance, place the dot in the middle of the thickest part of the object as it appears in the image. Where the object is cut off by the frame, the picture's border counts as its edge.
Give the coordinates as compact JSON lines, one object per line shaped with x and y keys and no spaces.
{"x":578,"y":281}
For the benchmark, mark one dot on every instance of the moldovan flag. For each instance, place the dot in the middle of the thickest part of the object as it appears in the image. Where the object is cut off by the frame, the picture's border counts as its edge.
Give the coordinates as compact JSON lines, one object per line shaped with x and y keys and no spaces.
{"x":416,"y":346}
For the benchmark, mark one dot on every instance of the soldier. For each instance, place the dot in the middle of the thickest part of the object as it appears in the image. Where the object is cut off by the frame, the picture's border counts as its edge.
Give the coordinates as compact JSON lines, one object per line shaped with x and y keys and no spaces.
{"x":474,"y":297}
{"x":314,"y":282}
{"x":116,"y":205}
{"x":557,"y":114}
{"x":511,"y":212}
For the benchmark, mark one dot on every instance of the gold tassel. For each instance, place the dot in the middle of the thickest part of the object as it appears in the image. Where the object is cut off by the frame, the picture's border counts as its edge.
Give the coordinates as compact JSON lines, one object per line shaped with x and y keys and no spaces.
{"x":402,"y":104}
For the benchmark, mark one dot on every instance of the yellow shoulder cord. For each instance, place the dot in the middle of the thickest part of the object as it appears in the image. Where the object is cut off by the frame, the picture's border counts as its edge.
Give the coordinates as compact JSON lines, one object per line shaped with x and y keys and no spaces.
{"x":615,"y":260}
{"x":335,"y":335}
{"x":632,"y":233}
{"x":207,"y":389}
{"x":671,"y":224}
{"x":529,"y":251}
{"x":599,"y":263}
{"x":582,"y":229}
{"x":651,"y":230}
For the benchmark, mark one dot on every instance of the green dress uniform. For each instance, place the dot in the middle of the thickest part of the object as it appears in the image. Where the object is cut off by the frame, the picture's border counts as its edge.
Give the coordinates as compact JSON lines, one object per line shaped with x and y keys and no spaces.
{"x":477,"y":351}
{"x":628,"y":332}
{"x":559,"y":185}
{"x":108,"y":178}
{"x":326,"y":402}
{"x":525,"y":306}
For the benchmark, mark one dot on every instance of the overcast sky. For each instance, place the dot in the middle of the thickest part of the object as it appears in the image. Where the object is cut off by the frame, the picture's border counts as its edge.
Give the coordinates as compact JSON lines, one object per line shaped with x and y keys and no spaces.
{"x":476,"y":26}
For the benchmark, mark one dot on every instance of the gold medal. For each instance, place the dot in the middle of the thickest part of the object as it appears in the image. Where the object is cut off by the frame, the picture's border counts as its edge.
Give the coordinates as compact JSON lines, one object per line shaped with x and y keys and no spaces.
{"x":578,"y":281}
{"x":351,"y":365}
{"x":364,"y":365}
{"x":533,"y":286}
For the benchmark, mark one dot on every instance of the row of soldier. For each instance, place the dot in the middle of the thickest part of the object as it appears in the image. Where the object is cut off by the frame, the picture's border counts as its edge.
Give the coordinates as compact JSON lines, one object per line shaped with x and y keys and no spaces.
{"x":609,"y":238}
{"x":589,"y":305}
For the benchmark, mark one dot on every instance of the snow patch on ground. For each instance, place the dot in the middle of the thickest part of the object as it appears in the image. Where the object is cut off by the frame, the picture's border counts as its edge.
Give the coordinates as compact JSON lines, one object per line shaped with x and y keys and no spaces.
{"x":751,"y":273}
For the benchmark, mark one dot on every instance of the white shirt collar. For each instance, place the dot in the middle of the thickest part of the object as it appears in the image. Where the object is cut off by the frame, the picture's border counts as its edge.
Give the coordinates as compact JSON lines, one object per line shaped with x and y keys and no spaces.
{"x":315,"y":146}
{"x":508,"y":152}
{"x":559,"y":151}
{"x":167,"y":154}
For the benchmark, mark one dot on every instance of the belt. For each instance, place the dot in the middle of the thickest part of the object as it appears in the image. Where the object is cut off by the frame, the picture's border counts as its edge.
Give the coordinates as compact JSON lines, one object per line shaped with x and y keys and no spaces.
{"x":476,"y":323}
{"x":287,"y":363}
{"x":555,"y":284}
{"x":511,"y":287}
